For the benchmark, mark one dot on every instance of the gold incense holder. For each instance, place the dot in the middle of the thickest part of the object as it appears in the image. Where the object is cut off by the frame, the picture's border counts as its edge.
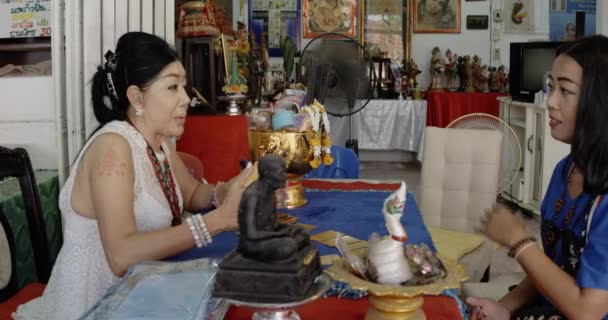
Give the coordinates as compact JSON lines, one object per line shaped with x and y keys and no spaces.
{"x":297,"y":151}
{"x":392,"y":302}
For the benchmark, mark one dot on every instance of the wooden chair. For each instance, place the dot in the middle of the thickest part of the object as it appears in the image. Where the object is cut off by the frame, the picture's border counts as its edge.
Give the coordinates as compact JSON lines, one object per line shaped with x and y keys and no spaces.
{"x":16,"y":163}
{"x":194,"y":165}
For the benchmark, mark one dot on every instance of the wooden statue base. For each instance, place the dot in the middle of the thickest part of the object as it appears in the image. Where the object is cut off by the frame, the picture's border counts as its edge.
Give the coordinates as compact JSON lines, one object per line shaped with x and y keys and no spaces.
{"x":244,"y":279}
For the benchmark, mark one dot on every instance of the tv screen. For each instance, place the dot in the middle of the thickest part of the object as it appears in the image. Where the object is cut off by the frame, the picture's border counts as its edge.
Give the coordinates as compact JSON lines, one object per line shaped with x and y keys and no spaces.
{"x":536,"y":63}
{"x":529,"y":63}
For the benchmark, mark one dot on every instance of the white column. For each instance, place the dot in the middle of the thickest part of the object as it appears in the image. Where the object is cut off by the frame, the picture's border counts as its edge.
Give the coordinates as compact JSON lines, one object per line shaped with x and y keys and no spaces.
{"x":601,"y":12}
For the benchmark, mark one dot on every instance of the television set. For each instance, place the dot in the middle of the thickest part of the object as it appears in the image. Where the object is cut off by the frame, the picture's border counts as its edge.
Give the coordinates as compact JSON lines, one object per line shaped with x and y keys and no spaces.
{"x":529,"y":63}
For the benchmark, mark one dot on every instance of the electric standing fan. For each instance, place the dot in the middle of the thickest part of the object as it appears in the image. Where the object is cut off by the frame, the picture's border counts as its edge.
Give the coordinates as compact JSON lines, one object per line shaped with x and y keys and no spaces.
{"x":338,"y":72}
{"x":510,"y":155}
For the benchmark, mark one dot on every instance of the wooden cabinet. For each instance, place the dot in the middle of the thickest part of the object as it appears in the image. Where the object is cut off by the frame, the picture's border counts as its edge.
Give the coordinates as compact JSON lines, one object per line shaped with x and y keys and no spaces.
{"x":540,"y":152}
{"x":204,"y":66}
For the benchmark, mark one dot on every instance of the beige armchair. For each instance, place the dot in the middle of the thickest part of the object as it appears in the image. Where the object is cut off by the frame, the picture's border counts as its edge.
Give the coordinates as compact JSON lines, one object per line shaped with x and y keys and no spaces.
{"x":459,"y":180}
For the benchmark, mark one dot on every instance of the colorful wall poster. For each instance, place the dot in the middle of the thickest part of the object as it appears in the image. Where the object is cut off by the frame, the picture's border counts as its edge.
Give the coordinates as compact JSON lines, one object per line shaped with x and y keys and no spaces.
{"x":562,"y":18}
{"x":25,"y":18}
{"x":273,"y":20}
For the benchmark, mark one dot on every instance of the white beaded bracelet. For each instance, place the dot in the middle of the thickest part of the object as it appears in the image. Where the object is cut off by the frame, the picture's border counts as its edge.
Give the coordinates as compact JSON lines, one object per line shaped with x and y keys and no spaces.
{"x":195,"y":233}
{"x":205,"y":230}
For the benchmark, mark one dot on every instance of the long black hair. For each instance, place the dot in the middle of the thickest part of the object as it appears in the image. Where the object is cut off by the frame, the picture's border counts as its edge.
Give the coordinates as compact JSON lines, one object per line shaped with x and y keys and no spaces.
{"x":589,"y":147}
{"x":138,"y":60}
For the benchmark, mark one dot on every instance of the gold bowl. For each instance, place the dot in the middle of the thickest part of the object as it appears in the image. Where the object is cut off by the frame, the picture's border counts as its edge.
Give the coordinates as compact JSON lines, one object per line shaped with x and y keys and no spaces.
{"x":295,"y":148}
{"x":391,"y":302}
{"x":418,"y":94}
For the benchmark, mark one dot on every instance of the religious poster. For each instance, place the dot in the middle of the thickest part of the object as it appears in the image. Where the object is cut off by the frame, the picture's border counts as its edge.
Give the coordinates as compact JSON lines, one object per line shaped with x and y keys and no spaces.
{"x":435,"y":16}
{"x":519,"y":16}
{"x":562,"y":18}
{"x":384,"y":26}
{"x":271,"y":21}
{"x":25,"y":18}
{"x":322,"y":16}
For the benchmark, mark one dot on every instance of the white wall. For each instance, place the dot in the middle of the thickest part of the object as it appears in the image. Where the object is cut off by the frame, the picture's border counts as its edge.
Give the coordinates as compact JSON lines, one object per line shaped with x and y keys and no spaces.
{"x":92,"y":28}
{"x":480,"y":42}
{"x":601,"y":17}
{"x":28,"y":114}
{"x":469,"y":42}
{"x":27,"y":118}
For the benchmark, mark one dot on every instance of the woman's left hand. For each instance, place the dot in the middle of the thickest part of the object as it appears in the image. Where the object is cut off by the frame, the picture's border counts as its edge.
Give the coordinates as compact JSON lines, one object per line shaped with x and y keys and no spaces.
{"x":503,"y":226}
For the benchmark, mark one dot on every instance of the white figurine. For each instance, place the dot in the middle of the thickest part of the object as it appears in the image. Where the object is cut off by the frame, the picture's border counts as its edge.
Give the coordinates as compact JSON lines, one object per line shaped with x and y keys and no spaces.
{"x":386,"y":256}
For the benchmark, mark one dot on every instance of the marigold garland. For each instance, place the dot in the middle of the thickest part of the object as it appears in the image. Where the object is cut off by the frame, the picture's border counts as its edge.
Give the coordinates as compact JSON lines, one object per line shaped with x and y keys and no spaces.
{"x":321,"y":141}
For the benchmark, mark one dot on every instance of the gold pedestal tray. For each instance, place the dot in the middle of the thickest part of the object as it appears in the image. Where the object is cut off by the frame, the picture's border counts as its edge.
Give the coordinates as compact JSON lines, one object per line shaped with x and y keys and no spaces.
{"x":295,"y":148}
{"x":392,"y":302}
{"x":292,"y":196}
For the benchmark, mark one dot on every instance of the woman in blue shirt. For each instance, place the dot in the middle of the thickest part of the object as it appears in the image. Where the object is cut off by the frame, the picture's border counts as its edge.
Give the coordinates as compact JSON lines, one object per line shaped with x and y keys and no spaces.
{"x":569,"y":279}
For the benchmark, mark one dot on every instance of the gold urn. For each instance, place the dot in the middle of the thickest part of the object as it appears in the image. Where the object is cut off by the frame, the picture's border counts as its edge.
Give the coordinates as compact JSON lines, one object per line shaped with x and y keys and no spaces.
{"x":198,"y":20}
{"x":295,"y":148}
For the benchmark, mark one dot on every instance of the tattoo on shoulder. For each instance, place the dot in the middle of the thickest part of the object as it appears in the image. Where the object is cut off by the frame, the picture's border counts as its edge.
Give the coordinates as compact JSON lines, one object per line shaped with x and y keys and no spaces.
{"x":111,"y":166}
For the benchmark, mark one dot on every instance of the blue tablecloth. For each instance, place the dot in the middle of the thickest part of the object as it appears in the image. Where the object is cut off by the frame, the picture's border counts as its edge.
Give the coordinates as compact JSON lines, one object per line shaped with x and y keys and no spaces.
{"x":354,"y":213}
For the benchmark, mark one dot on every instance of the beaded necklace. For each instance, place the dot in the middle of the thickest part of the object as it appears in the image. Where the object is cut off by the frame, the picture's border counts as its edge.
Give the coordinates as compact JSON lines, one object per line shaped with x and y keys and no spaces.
{"x":165,"y":178}
{"x":555,"y":234}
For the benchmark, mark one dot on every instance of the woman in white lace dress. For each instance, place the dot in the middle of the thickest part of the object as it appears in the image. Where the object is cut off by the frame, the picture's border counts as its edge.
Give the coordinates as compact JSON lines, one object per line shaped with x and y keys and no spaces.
{"x":123,"y":200}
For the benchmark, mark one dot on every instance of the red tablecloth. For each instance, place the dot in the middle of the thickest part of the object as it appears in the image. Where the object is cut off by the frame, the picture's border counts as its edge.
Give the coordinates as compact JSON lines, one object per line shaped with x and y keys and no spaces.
{"x":435,"y":308}
{"x":444,"y":107}
{"x":220,"y":142}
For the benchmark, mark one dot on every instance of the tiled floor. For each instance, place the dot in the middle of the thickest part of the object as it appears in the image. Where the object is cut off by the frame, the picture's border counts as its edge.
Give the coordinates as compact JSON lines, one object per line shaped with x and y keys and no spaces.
{"x":410,"y":173}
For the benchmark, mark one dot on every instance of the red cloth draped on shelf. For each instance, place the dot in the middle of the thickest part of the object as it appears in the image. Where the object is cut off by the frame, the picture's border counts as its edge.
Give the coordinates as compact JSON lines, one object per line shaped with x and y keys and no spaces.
{"x":220,"y":142}
{"x":445,"y":107}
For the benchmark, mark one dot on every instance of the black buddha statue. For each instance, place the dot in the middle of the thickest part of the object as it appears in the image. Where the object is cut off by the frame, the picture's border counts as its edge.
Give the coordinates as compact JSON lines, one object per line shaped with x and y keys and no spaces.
{"x":274,"y":262}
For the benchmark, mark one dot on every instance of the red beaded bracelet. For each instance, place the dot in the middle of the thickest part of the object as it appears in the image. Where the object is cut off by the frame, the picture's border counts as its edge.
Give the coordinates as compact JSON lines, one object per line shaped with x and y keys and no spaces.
{"x":518,"y":245}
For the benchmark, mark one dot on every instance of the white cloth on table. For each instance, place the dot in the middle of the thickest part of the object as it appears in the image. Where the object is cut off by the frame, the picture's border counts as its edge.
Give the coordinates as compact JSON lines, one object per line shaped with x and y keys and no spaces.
{"x":384,"y":125}
{"x":81,"y":273}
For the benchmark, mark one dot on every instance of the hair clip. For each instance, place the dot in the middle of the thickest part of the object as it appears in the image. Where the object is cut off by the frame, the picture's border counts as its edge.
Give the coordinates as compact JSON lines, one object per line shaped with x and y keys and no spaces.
{"x":111,"y":61}
{"x":109,"y":67}
{"x":110,"y":86}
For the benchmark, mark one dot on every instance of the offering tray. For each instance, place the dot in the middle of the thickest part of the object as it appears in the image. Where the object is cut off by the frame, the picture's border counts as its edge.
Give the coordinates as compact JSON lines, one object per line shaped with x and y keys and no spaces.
{"x":283,"y":311}
{"x":398,"y":301}
{"x":233,"y":107}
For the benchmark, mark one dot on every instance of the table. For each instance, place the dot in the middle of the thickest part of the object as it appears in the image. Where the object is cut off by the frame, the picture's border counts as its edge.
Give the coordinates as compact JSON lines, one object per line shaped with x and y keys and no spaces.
{"x":357,"y":213}
{"x":220,"y":142}
{"x":444,"y":107}
{"x":385,"y":125}
{"x":12,"y":205}
{"x":352,"y":207}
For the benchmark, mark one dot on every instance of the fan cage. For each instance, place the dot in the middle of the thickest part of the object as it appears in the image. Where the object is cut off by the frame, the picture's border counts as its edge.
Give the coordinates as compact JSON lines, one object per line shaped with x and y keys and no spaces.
{"x":510,"y":159}
{"x":333,"y":36}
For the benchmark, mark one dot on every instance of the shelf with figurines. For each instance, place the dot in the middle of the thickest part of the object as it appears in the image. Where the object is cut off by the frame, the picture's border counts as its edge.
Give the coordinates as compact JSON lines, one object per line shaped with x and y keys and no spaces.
{"x":455,"y":73}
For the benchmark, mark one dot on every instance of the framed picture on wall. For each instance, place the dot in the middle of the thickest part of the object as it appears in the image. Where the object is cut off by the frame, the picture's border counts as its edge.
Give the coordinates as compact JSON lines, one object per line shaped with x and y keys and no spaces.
{"x":386,"y":26}
{"x":436,"y":16}
{"x":271,"y":21}
{"x":322,"y":16}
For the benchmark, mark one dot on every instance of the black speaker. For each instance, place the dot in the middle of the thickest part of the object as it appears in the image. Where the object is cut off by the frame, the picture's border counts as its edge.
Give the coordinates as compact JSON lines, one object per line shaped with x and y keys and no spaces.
{"x":580,"y":24}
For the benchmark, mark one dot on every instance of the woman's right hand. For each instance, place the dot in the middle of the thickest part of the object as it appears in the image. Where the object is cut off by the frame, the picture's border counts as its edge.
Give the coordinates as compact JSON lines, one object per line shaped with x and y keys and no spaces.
{"x":487,"y":309}
{"x":230,"y":204}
